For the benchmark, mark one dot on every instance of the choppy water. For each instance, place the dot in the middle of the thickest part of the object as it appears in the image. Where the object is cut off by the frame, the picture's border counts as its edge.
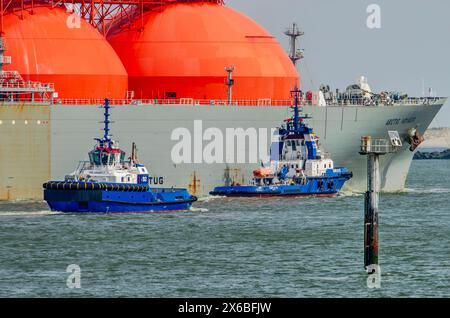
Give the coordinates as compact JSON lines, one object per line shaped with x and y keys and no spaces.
{"x":240,"y":248}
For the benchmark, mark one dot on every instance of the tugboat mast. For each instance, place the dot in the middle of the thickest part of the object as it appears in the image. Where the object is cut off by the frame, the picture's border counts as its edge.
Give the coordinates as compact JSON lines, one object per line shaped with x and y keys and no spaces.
{"x":296,"y":94}
{"x":296,"y":124}
{"x":106,"y":121}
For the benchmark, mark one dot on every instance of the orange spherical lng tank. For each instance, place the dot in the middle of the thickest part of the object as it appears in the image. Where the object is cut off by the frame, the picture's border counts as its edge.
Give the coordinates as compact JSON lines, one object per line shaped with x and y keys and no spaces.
{"x":47,"y":46}
{"x":184,"y":49}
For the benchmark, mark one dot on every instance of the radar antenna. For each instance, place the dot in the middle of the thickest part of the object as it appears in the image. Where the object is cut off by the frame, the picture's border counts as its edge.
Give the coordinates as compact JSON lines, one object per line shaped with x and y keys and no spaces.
{"x":296,"y":123}
{"x":294,"y":33}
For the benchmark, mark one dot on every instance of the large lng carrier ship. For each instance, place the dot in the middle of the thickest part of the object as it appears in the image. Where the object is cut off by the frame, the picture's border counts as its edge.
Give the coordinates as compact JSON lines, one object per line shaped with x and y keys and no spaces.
{"x":170,"y":66}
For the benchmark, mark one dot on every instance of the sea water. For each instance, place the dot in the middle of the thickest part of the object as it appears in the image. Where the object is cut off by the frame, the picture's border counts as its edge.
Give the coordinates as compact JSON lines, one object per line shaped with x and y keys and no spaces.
{"x":234,"y":247}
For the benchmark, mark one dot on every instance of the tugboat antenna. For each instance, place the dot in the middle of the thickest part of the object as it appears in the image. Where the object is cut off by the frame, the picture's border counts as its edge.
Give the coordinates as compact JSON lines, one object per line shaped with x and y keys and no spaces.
{"x":106,"y":136}
{"x":296,"y":95}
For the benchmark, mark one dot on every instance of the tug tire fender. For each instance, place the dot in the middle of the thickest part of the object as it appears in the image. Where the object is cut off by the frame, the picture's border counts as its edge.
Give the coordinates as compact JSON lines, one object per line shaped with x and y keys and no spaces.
{"x":66,"y":186}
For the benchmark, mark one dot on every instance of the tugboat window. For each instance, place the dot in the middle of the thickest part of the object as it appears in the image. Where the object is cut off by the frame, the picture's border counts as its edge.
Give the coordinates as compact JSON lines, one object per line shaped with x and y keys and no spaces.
{"x":95,"y":158}
{"x":105,"y":158}
{"x":100,"y":158}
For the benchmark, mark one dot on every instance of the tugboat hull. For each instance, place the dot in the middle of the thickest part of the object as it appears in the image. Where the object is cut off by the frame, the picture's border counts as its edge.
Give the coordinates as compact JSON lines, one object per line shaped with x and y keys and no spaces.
{"x":314,"y":187}
{"x":97,"y":201}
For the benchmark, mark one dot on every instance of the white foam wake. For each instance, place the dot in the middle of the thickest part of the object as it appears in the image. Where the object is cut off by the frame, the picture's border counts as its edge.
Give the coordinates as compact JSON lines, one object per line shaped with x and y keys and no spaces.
{"x":350,"y":194}
{"x":427,"y":191}
{"x":28,"y":214}
{"x":209,"y":198}
{"x":198,"y":210}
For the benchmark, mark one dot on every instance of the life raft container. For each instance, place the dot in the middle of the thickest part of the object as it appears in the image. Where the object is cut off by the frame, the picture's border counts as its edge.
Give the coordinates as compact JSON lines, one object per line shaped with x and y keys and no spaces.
{"x":93,"y":186}
{"x":262,"y":173}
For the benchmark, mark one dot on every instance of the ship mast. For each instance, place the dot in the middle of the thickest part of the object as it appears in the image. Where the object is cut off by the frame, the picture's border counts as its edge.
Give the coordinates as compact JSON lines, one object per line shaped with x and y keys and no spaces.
{"x":296,"y":123}
{"x":230,"y":83}
{"x":296,"y":95}
{"x":295,"y":54}
{"x":106,"y":136}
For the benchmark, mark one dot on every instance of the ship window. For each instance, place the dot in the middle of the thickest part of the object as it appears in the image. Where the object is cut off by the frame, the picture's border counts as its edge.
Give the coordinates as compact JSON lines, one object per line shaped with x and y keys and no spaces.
{"x":294,"y":146}
{"x":276,"y":150}
{"x":94,"y":157}
{"x":105,"y":158}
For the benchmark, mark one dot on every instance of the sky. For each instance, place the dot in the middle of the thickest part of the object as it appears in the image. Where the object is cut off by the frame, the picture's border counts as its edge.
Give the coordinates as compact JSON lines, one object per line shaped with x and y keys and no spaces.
{"x":410,"y":50}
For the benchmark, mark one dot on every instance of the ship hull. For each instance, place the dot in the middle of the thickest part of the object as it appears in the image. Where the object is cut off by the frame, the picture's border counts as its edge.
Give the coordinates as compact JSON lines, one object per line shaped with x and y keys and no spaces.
{"x":315,"y":187}
{"x":33,"y":154}
{"x":121,"y":202}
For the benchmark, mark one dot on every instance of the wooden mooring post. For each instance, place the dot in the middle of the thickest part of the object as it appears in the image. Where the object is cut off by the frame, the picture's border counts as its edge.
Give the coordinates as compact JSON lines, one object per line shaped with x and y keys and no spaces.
{"x":373,"y":148}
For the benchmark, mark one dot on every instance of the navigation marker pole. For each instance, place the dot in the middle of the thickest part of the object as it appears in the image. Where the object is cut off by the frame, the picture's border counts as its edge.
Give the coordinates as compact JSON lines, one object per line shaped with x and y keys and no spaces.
{"x":373,"y":149}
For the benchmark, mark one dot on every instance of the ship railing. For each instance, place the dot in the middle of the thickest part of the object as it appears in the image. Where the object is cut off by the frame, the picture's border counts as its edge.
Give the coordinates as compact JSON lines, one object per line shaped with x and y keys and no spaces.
{"x":180,"y":102}
{"x":376,"y":145}
{"x":384,"y":102}
{"x":33,"y":86}
{"x":14,"y":98}
{"x":249,"y":103}
{"x":162,"y":190}
{"x":82,"y":166}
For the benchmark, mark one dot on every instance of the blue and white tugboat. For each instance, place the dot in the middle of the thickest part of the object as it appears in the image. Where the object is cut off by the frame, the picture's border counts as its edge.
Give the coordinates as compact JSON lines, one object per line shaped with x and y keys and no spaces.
{"x":297,"y":165}
{"x":108,"y":183}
